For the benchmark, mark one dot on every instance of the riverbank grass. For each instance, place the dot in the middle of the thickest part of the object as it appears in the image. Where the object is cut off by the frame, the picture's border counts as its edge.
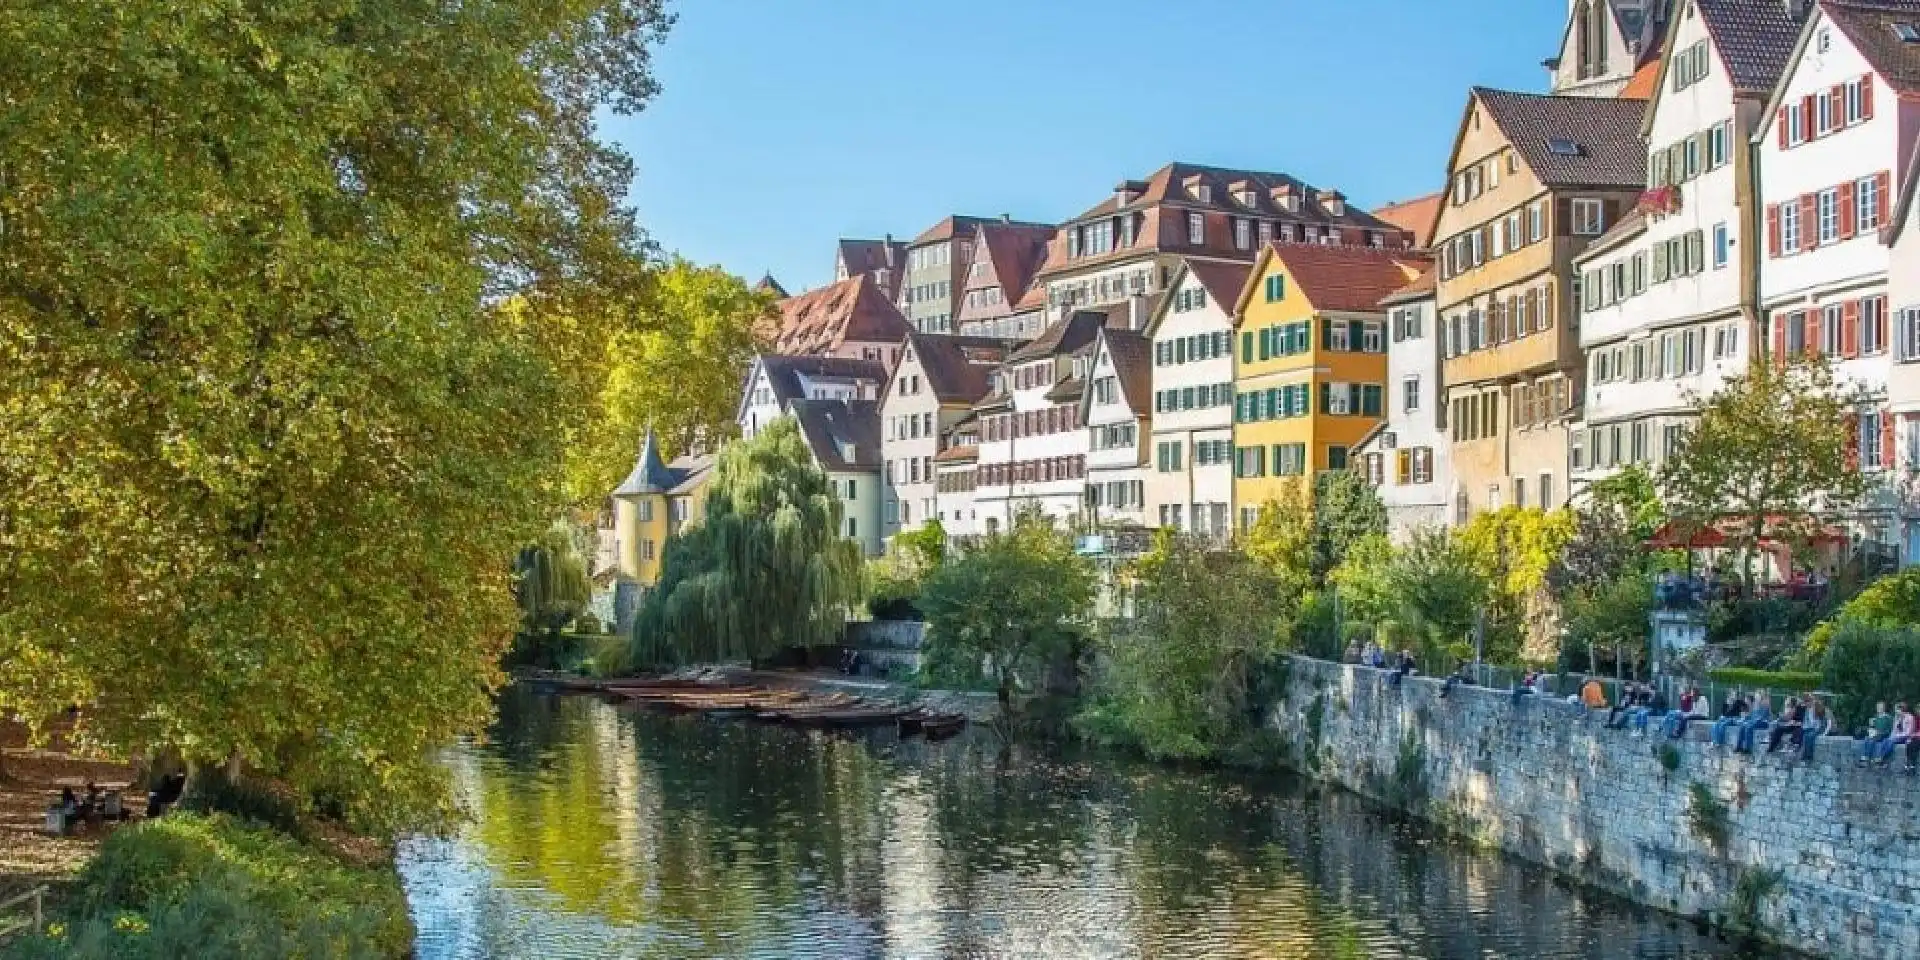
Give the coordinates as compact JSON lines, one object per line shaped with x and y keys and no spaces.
{"x":216,"y":886}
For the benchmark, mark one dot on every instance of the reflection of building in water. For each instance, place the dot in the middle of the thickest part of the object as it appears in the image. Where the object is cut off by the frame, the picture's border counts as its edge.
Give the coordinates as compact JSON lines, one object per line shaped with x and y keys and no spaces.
{"x":910,"y":865}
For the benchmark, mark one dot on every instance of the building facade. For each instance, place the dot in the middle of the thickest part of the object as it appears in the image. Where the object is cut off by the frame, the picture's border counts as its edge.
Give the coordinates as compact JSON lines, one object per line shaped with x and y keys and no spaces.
{"x":1311,"y":377}
{"x":1408,"y":457}
{"x":1006,"y":257}
{"x":955,"y":470}
{"x":853,"y":319}
{"x":884,"y":260}
{"x":654,"y":502}
{"x":939,"y":265}
{"x":1604,"y":42}
{"x":1033,"y":445}
{"x":1114,"y":406}
{"x":774,"y":382}
{"x":1189,"y":483}
{"x":1668,"y":295}
{"x":844,"y":437}
{"x":938,"y":381}
{"x":1533,"y":181}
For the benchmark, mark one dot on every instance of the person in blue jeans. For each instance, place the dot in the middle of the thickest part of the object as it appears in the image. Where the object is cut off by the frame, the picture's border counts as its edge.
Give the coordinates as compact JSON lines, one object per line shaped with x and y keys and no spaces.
{"x":1818,"y":722}
{"x":1879,"y":731}
{"x":1759,"y":716}
{"x":1730,"y":714}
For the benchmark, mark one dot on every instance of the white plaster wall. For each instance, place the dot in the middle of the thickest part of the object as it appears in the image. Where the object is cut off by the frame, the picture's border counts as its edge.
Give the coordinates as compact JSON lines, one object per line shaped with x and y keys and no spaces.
{"x":1190,"y":484}
{"x":1411,"y":506}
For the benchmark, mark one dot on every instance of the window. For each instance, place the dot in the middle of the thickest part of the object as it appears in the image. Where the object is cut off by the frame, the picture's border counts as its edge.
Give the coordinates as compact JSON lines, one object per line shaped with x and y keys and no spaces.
{"x":1276,"y":287}
{"x":1589,"y":217}
{"x":1537,"y":221}
{"x":1718,"y":137}
{"x":1722,"y":246}
{"x":1823,"y":115}
{"x":1789,"y":227}
{"x":1372,"y":338}
{"x":1873,"y":325}
{"x":1796,"y":129}
{"x":1266,"y":232}
{"x":1410,"y":394}
{"x":1827,"y":213}
{"x":1242,"y":234}
{"x":1856,"y":101}
{"x":1336,"y":458}
{"x":1871,"y":456}
{"x":1831,"y":329}
{"x":1520,"y":492}
{"x":1289,"y":459}
{"x":1196,"y":229}
{"x":1866,"y":198}
{"x":1796,"y":324}
{"x":1546,"y":491}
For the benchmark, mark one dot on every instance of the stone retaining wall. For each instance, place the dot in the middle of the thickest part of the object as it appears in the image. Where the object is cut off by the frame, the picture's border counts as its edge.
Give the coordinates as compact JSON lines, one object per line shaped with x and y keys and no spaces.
{"x":1547,"y":781}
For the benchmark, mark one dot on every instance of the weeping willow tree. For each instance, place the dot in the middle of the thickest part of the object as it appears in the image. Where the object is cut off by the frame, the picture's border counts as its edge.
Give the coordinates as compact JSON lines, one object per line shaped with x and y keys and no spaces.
{"x":765,"y":570}
{"x":550,"y":583}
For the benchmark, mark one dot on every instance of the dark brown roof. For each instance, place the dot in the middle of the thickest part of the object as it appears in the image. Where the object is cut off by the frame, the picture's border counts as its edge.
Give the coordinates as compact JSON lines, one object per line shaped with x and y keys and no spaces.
{"x":1754,"y":39}
{"x":866,"y":256}
{"x":768,"y":284}
{"x":1014,"y":252}
{"x":1131,"y":359}
{"x":821,"y":321}
{"x":1068,"y":334}
{"x":956,"y":226}
{"x":784,"y":373}
{"x":1351,"y":279}
{"x":957,"y":454}
{"x":1604,"y":133}
{"x":1067,"y":391}
{"x":829,"y":424}
{"x":1223,"y":281}
{"x":1426,"y":285}
{"x":1416,"y":216}
{"x":1869,"y":24}
{"x":957,"y":368}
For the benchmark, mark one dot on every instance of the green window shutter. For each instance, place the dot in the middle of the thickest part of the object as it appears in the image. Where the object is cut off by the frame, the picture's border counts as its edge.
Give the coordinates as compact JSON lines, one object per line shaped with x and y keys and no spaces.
{"x":1326,"y":397}
{"x":1266,"y":344}
{"x":1370,"y":400}
{"x":1326,"y":334}
{"x":1246,"y":346}
{"x":1355,"y":329}
{"x":1353,"y":399}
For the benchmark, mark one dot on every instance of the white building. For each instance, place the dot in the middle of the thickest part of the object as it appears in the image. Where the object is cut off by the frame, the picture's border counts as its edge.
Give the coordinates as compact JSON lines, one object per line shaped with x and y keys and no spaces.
{"x":937,"y":382}
{"x":1668,"y":295}
{"x":955,"y":469}
{"x":845,"y":440}
{"x":1189,"y":483}
{"x":1409,"y":456}
{"x":1033,"y":446}
{"x":1832,"y":143}
{"x":774,"y":382}
{"x":1114,"y":408}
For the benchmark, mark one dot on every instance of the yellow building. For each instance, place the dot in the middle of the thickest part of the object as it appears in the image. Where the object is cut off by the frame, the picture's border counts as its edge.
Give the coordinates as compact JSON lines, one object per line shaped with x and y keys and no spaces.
{"x":1311,"y":367}
{"x":650,"y":506}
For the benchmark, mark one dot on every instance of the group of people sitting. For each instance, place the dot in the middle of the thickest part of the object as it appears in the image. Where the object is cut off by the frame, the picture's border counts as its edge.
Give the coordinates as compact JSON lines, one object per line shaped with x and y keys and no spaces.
{"x":1803,"y":721}
{"x":1889,"y":732}
{"x":1402,"y":663}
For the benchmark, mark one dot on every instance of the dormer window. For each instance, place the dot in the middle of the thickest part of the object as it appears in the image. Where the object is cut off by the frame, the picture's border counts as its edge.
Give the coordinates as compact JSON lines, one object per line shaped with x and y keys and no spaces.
{"x":1907,"y":32}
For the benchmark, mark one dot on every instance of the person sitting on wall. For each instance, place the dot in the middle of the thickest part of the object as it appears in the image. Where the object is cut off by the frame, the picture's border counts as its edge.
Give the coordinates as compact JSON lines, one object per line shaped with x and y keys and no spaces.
{"x":1818,"y":721}
{"x":1792,"y":720}
{"x":1593,"y":695}
{"x":1652,"y":703}
{"x":1629,"y":698}
{"x":1401,"y":668}
{"x":1879,"y":729}
{"x":1759,"y":717}
{"x":1903,"y":733}
{"x":1731,"y":713}
{"x":1527,"y":687}
{"x":1675,"y":724}
{"x":1456,"y":678}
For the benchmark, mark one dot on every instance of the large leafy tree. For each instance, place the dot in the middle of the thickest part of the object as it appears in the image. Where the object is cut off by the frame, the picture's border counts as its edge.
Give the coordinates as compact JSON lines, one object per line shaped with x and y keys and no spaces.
{"x":1774,"y":449}
{"x":1011,"y":605}
{"x":1512,"y":550}
{"x":766,"y":569}
{"x":674,"y":366}
{"x":1177,"y":679}
{"x":1346,"y":510}
{"x":1440,"y":593}
{"x":271,"y":441}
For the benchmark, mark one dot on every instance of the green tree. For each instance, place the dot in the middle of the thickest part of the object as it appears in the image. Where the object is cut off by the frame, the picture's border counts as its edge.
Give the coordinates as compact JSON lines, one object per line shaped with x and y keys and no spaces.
{"x":1281,"y":539}
{"x":1346,"y":510}
{"x":1008,"y":608}
{"x":1512,"y":550}
{"x":1364,"y":582}
{"x":1770,"y":443}
{"x":1889,"y":603}
{"x":1868,"y":664}
{"x":765,"y":570}
{"x":272,"y":439}
{"x":674,"y":364}
{"x":551,"y":588}
{"x":1176,"y":679}
{"x":1440,"y":593}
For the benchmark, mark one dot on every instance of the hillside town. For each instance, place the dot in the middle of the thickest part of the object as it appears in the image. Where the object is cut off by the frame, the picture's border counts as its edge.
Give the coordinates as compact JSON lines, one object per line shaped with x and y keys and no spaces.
{"x":1702,"y":186}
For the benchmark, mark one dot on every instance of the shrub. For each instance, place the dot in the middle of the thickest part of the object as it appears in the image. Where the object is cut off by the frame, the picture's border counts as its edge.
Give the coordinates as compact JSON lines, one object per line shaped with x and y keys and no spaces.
{"x":1796,"y":680}
{"x":214,"y":886}
{"x":212,"y":792}
{"x":1889,"y":602}
{"x":1868,"y":664}
{"x":589,"y":624}
{"x":1707,"y":815}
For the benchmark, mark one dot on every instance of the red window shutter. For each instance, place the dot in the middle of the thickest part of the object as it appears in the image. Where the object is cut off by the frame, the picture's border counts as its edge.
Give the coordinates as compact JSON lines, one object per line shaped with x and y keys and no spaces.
{"x":1812,"y":324}
{"x":1853,"y":442}
{"x":1806,"y":116}
{"x":1886,"y":439}
{"x":1809,"y":222}
{"x":1780,"y":321}
{"x":1780,"y":127}
{"x":1847,"y":220}
{"x":1883,"y":181}
{"x":1837,"y":104}
{"x":1866,"y":97}
{"x":1773,"y":230}
{"x":1850,"y":329}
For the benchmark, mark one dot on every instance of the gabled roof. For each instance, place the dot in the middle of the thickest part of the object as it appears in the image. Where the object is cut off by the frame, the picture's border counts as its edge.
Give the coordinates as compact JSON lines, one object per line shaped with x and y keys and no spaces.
{"x":1014,"y":253}
{"x":1416,"y":216}
{"x":1754,"y":39}
{"x":1646,"y":33}
{"x":784,"y":373}
{"x":866,"y":256}
{"x":768,"y":284}
{"x":1644,"y":82}
{"x":1067,"y":391}
{"x":1132,"y":365}
{"x":1909,"y":184}
{"x":1604,"y":132}
{"x":957,"y":454}
{"x":1422,"y":288}
{"x":1339,"y":279}
{"x":958,"y":226}
{"x":1068,"y":334}
{"x":855,"y":309}
{"x":1222,"y":281}
{"x":650,"y":475}
{"x":957,"y":368}
{"x":830,"y":426}
{"x":1869,"y":24}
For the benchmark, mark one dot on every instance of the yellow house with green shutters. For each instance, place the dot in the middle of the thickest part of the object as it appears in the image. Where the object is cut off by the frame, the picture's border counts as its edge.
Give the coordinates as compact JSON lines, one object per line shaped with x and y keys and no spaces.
{"x":1311,"y":362}
{"x":655,"y":501}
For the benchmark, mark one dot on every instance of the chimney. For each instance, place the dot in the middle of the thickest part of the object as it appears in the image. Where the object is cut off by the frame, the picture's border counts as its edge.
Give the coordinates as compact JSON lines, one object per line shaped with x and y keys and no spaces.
{"x":1128,"y":191}
{"x":1334,"y":202}
{"x":1006,"y":218}
{"x":1798,"y":9}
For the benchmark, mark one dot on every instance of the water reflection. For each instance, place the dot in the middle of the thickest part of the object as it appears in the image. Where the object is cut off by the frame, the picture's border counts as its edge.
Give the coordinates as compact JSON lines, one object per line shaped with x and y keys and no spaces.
{"x":601,"y":832}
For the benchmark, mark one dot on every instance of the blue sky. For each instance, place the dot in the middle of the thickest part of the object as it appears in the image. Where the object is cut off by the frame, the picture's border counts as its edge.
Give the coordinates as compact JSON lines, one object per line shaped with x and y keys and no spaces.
{"x":785,"y":124}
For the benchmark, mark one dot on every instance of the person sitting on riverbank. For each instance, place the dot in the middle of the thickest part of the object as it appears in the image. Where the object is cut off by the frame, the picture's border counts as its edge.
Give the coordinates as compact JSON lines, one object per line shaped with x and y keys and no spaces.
{"x":1592,"y":695}
{"x":1731,"y":713}
{"x":1401,"y":669}
{"x":1458,"y":677}
{"x":1879,"y":729}
{"x":1759,"y":718}
{"x":1819,"y":720}
{"x":1792,"y":719}
{"x":1693,"y":705}
{"x":1631,"y":699}
{"x":1903,"y":734}
{"x":1527,"y":687}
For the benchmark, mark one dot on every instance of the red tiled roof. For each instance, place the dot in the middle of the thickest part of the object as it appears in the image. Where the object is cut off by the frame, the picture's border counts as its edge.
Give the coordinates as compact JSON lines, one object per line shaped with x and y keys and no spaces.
{"x":1416,"y":216}
{"x":1132,"y":366}
{"x":1644,"y":82}
{"x":1870,"y":25}
{"x":956,"y":454}
{"x":821,"y":321}
{"x":1421,"y":288}
{"x":1222,"y":280}
{"x":1348,"y":278}
{"x":1015,"y":252}
{"x":957,"y":368}
{"x":950,"y":227}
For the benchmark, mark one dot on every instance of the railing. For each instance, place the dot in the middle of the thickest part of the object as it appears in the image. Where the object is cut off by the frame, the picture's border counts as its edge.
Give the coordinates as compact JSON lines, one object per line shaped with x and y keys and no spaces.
{"x":9,"y":928}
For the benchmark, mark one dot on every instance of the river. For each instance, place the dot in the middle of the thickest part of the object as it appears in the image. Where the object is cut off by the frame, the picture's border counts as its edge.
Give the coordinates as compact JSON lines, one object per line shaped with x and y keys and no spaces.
{"x":600,"y":831}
